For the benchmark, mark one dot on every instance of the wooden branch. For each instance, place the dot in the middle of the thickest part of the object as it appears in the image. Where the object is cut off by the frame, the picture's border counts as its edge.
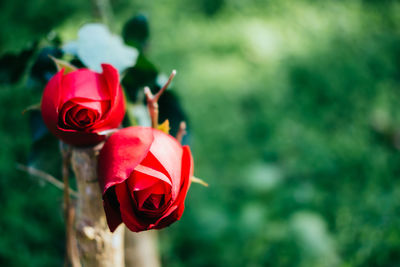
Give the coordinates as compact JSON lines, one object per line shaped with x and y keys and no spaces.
{"x":97,"y":246}
{"x":141,"y":249}
{"x":152,"y":100}
{"x":71,"y":257}
{"x":46,"y":177}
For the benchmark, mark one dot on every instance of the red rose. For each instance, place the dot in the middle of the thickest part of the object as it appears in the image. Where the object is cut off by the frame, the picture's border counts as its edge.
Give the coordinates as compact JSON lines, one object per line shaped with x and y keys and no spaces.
{"x":78,"y":105}
{"x":144,"y":175}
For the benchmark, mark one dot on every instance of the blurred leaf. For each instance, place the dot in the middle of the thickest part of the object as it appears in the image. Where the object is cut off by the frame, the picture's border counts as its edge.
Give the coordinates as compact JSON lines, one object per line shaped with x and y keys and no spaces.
{"x":263,"y":177}
{"x":43,"y":68}
{"x":61,"y":64}
{"x":137,"y":114}
{"x":36,"y":123}
{"x":136,"y":32}
{"x":144,"y":73}
{"x":97,"y":45}
{"x":211,"y":7}
{"x":316,"y":242}
{"x":44,"y":154}
{"x":77,"y":63}
{"x":164,"y":127}
{"x":12,"y":66}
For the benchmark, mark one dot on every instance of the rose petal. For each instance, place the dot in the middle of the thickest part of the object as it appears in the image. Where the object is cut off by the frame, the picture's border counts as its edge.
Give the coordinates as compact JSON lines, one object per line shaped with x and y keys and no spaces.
{"x":127,"y":210}
{"x":168,"y":152}
{"x":156,"y":200}
{"x":62,"y":116}
{"x":116,"y":113}
{"x":101,"y":107}
{"x":111,"y":208}
{"x":168,"y":218}
{"x":84,"y":83}
{"x":187,"y":172}
{"x":71,"y":109}
{"x":77,"y":117}
{"x":152,"y":162}
{"x":176,"y":210}
{"x":142,"y":195}
{"x":147,"y":174}
{"x":122,"y":152}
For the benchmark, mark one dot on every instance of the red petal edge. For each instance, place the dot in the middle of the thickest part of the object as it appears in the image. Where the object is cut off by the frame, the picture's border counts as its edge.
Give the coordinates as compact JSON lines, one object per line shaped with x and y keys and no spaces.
{"x":113,"y":215}
{"x":176,"y":210}
{"x":121,"y":153}
{"x":117,"y":107}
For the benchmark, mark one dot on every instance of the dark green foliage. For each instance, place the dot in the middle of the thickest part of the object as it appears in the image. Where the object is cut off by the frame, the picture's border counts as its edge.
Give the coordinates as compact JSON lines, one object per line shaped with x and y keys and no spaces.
{"x":31,"y":221}
{"x":136,"y":32}
{"x":44,"y":68}
{"x":171,"y":109}
{"x":211,"y":7}
{"x":12,"y":66}
{"x":144,"y":73}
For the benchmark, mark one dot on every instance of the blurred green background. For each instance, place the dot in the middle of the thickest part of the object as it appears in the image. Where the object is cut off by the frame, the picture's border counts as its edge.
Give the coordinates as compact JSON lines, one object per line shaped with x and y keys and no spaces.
{"x":294,"y":109}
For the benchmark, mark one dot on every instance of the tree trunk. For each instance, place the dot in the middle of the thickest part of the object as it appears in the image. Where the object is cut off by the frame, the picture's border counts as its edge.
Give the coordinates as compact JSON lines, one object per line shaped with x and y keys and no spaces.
{"x":97,"y":246}
{"x":141,"y":249}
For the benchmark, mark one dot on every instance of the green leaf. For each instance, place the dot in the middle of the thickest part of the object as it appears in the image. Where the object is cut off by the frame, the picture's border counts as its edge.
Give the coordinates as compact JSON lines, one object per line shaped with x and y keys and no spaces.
{"x":136,"y":32}
{"x":44,"y":153}
{"x":13,"y":66}
{"x":61,"y":64}
{"x":144,"y":73}
{"x":171,"y":109}
{"x":44,"y":68}
{"x":38,"y":128}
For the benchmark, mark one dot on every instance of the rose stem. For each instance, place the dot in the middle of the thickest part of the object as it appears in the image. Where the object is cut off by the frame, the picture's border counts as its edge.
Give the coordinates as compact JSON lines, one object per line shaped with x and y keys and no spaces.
{"x":71,"y":256}
{"x":181,"y":131}
{"x":152,"y":100}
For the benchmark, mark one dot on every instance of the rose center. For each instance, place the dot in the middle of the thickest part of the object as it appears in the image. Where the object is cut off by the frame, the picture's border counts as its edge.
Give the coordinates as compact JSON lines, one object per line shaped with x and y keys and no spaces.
{"x":154,"y":201}
{"x":82,"y":118}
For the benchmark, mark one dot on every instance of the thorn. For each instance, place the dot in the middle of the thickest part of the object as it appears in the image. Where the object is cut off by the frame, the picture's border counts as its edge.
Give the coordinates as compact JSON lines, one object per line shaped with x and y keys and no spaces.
{"x":147,"y":92}
{"x":152,"y":100}
{"x":171,"y":77}
{"x":45,"y":176}
{"x":181,"y":132}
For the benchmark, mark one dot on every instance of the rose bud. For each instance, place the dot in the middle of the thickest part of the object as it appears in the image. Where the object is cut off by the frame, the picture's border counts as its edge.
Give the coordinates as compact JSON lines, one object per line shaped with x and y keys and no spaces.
{"x":77,"y":106}
{"x":144,"y":174}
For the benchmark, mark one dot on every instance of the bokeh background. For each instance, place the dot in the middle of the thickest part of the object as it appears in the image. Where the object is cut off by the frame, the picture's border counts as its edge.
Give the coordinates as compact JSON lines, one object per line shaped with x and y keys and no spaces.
{"x":294,"y":111}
